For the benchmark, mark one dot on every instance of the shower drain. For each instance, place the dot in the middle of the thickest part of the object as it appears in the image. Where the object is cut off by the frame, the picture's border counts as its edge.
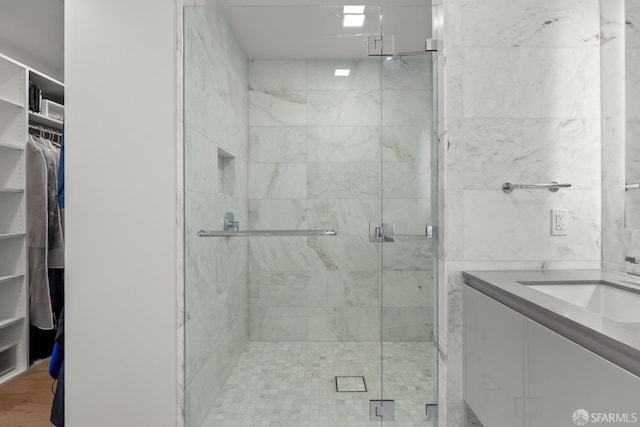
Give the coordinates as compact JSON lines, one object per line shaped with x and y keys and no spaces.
{"x":350,"y":384}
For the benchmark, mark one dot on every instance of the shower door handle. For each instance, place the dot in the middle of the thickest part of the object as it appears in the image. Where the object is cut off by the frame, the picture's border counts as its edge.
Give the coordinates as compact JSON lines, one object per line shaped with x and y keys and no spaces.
{"x":382,"y":233}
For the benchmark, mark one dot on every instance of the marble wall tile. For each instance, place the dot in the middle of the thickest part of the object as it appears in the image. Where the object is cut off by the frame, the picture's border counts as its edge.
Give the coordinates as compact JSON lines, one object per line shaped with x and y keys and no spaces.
{"x":407,"y":324}
{"x":451,"y":28}
{"x":411,"y":216}
{"x":344,"y":324}
{"x":278,"y":323}
{"x":452,"y":146}
{"x":278,"y":75}
{"x":453,"y":225}
{"x":529,"y":151}
{"x":354,"y":288}
{"x":613,"y":153}
{"x":408,"y":288}
{"x":632,"y":207}
{"x":407,"y":144}
{"x":407,"y":107}
{"x":269,"y":214}
{"x":615,"y":237}
{"x":493,"y":225}
{"x":406,"y":180}
{"x":343,"y":108}
{"x":318,"y":289}
{"x":201,"y":162}
{"x":451,"y":74}
{"x":279,"y":289}
{"x":343,"y":144}
{"x":410,"y":253}
{"x":343,"y":189}
{"x":278,"y":181}
{"x":545,"y":23}
{"x":632,"y":151}
{"x":564,"y":83}
{"x":345,"y":253}
{"x":275,"y":254}
{"x":277,"y":144}
{"x":347,"y":216}
{"x":632,"y":83}
{"x":277,"y":108}
{"x":196,"y":408}
{"x":364,"y":75}
{"x":421,"y":75}
{"x":344,"y":180}
{"x":215,"y":288}
{"x":632,"y":28}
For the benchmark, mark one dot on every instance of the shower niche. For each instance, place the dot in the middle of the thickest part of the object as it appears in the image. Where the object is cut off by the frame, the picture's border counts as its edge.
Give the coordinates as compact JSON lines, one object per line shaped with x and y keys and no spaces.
{"x":226,"y":173}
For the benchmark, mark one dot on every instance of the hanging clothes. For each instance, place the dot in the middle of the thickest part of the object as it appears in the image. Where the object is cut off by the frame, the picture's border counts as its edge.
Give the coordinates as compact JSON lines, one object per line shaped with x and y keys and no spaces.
{"x":55,"y":245}
{"x":61,"y":183}
{"x":40,"y":314}
{"x":45,"y":241}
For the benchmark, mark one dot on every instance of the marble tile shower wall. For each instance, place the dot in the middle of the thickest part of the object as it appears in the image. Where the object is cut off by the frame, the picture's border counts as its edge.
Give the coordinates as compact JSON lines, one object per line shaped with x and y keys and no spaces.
{"x":216,"y":302}
{"x":314,"y":163}
{"x":522,"y":105}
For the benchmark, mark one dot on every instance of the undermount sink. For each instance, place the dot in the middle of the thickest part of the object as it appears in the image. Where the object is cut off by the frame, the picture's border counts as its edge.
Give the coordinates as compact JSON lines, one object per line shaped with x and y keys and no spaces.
{"x":609,"y":300}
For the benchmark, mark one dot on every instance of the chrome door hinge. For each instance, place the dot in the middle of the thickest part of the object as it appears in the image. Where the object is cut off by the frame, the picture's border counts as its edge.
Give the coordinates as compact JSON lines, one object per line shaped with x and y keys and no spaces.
{"x":381,"y":233}
{"x":382,"y":410}
{"x":432,"y":410}
{"x":431,"y":232}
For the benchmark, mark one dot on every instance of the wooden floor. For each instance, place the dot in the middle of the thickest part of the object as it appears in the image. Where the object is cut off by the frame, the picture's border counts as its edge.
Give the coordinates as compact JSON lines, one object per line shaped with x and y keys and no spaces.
{"x":26,"y":401}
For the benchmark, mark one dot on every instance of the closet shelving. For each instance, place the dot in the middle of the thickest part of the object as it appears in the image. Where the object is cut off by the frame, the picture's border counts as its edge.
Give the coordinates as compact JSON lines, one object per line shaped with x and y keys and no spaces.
{"x":13,"y":227}
{"x":14,"y":120}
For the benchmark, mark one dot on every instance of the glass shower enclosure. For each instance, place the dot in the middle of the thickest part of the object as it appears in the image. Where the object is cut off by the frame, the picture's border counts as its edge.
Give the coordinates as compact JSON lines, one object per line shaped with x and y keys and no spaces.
{"x":310,"y":192}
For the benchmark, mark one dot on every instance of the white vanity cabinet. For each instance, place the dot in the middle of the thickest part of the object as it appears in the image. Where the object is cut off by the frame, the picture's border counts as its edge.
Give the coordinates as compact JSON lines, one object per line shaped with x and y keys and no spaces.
{"x":562,"y":377}
{"x":520,"y":373}
{"x":494,"y":346}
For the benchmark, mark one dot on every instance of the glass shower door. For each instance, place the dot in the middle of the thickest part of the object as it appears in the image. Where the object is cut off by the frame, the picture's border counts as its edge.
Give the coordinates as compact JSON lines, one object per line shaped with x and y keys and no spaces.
{"x":294,"y":129}
{"x":409,"y":203}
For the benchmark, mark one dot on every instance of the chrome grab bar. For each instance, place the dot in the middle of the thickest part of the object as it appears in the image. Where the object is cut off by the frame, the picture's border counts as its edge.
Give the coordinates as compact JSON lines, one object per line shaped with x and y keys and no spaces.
{"x":507,"y":187}
{"x":632,"y":187}
{"x":242,"y":233}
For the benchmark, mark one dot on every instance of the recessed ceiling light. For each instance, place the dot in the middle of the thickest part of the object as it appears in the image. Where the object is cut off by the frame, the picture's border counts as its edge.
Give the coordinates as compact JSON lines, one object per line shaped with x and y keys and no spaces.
{"x":353,"y":21}
{"x":342,"y":72}
{"x":353,"y":9}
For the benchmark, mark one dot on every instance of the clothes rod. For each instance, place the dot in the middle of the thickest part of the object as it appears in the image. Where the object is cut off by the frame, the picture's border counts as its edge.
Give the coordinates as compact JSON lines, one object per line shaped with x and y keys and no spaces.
{"x":507,"y":187}
{"x":243,"y":233}
{"x":632,"y":187}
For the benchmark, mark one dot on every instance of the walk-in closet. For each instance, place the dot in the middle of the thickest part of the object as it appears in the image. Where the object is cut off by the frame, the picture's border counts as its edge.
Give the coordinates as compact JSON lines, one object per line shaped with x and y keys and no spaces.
{"x":32,"y":246}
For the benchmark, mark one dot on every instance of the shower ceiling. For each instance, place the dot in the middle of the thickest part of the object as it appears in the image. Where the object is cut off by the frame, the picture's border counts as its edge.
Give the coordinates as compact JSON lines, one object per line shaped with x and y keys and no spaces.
{"x":294,"y":32}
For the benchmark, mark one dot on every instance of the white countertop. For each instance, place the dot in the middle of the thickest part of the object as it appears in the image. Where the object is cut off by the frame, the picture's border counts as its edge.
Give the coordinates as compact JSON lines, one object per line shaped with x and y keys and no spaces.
{"x":618,"y":342}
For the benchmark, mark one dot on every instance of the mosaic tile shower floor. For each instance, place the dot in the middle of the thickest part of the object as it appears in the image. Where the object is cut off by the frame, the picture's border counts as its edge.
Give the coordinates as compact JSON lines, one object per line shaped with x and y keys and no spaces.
{"x":292,"y":384}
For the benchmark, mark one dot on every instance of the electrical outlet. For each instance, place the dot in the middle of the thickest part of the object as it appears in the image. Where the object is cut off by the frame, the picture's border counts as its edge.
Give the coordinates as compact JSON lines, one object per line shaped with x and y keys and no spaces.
{"x":559,"y":222}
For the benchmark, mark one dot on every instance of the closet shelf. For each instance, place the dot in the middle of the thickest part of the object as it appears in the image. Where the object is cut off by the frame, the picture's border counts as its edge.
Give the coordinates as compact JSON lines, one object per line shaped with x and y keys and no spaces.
{"x":5,"y":345}
{"x":4,"y":279}
{"x":11,"y":236}
{"x":5,"y":146}
{"x":10,"y":101}
{"x":44,"y":120}
{"x":11,"y":190}
{"x":8,"y":321}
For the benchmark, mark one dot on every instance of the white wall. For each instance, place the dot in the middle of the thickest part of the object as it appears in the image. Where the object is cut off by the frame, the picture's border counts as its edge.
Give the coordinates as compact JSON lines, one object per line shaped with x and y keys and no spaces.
{"x":32,"y":32}
{"x":121,"y":213}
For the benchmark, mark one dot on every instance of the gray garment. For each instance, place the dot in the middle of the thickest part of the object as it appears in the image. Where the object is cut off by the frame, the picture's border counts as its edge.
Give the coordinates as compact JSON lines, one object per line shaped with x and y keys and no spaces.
{"x":40,"y":314}
{"x":55,"y":246}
